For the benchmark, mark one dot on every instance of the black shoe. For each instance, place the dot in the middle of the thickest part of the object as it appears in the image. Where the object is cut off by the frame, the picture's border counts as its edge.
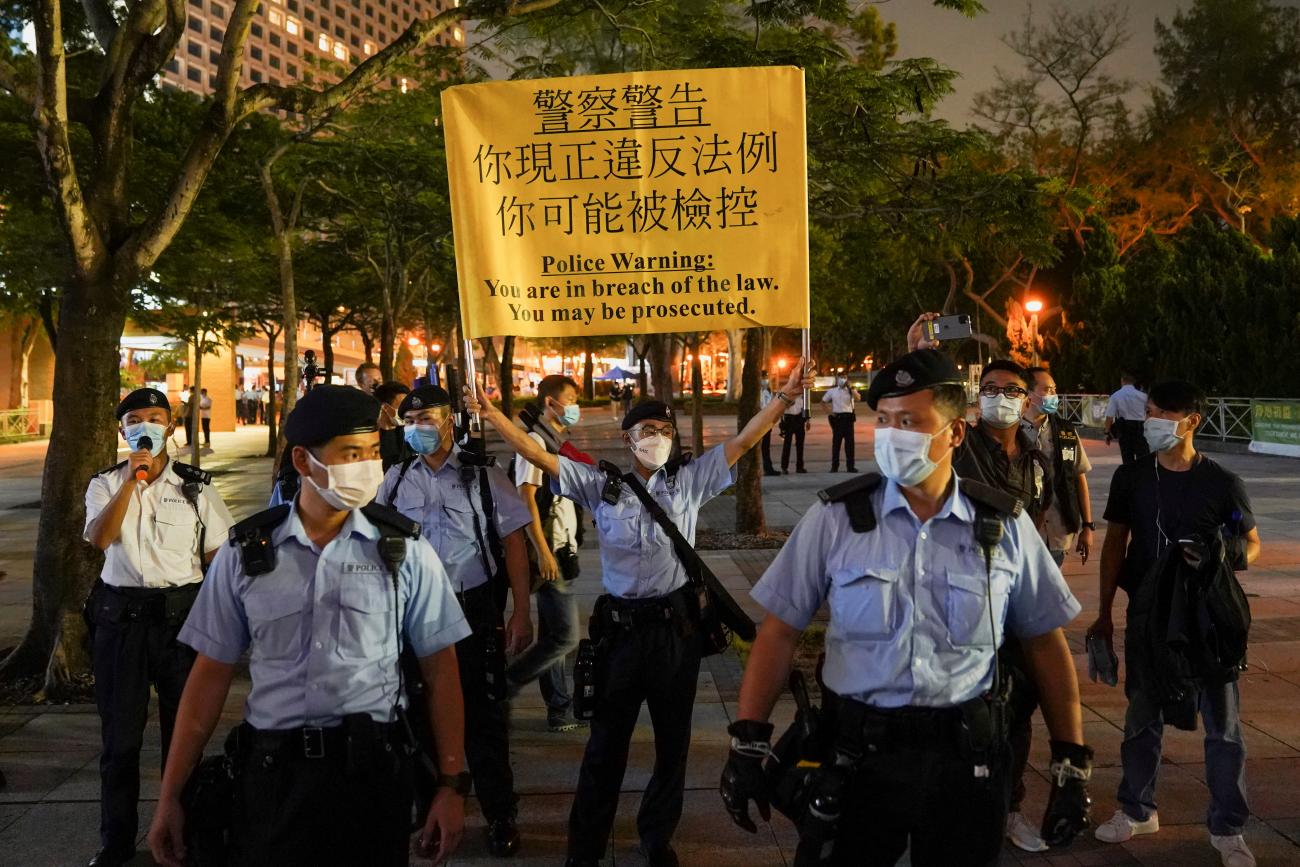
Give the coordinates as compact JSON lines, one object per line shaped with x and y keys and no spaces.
{"x":772,"y":472}
{"x":853,"y":469}
{"x":503,"y":837}
{"x":665,"y":857}
{"x":111,"y":857}
{"x":834,"y":469}
{"x":801,"y":470}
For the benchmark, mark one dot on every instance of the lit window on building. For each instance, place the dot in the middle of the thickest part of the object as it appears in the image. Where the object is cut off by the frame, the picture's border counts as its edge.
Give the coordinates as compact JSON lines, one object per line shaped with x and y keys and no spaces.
{"x":404,"y":86}
{"x":293,"y":26}
{"x":340,"y":51}
{"x":323,"y":43}
{"x":458,"y":34}
{"x":277,"y":18}
{"x":368,"y":47}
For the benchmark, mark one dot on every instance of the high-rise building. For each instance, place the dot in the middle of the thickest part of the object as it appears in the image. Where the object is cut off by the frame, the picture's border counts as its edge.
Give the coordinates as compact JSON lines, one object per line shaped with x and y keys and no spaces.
{"x":290,"y":38}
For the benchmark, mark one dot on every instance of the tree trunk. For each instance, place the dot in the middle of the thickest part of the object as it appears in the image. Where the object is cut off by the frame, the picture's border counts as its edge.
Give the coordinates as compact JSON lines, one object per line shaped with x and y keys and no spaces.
{"x":749,"y":473}
{"x":491,"y":364}
{"x":272,"y":429}
{"x":82,"y":442}
{"x":661,"y":366}
{"x":506,"y":378}
{"x":588,"y":371}
{"x":367,"y":343}
{"x":22,"y":339}
{"x":327,"y":347}
{"x":387,"y":335}
{"x":735,"y":347}
{"x":697,"y":398}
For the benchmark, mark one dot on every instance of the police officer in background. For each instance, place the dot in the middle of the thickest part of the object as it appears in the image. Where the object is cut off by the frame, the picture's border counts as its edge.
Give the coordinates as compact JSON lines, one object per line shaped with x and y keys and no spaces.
{"x":912,"y":696}
{"x":158,"y":523}
{"x":654,"y":652}
{"x":322,"y":592}
{"x":843,"y":400}
{"x":441,"y":487}
{"x":1126,"y":412}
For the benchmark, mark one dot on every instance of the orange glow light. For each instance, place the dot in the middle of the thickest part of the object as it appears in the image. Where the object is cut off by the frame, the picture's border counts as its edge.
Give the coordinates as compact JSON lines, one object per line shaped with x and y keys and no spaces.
{"x":1034,"y":306}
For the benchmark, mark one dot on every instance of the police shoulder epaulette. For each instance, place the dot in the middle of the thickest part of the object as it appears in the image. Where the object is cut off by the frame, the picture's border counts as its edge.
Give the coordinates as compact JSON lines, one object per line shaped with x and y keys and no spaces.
{"x":191,"y":473}
{"x":116,"y":466}
{"x":389,"y":517}
{"x":855,"y":494}
{"x":261,"y":522}
{"x":997,"y":500}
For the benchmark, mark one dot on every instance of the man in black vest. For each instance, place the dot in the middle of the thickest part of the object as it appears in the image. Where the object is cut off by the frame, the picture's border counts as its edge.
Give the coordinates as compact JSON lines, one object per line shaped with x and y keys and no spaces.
{"x":1071,"y":511}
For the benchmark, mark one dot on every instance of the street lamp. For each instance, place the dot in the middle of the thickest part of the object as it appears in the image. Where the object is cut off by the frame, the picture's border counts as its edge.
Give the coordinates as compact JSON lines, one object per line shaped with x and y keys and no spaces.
{"x":1034,"y":306}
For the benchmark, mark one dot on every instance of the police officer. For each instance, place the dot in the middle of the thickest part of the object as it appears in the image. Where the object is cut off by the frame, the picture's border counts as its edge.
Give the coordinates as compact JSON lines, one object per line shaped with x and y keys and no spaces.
{"x":653,"y":656}
{"x":322,"y":592}
{"x":476,"y":537}
{"x":158,"y":523}
{"x":917,"y":609}
{"x":843,"y":400}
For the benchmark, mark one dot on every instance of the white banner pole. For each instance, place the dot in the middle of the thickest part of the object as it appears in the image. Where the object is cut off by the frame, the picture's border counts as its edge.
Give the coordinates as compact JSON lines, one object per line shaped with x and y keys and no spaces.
{"x":807,"y":359}
{"x":471,"y":379}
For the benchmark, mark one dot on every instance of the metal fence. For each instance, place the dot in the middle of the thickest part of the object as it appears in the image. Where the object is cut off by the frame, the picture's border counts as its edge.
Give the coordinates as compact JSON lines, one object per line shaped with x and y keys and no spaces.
{"x":18,"y":424}
{"x":1227,"y":419}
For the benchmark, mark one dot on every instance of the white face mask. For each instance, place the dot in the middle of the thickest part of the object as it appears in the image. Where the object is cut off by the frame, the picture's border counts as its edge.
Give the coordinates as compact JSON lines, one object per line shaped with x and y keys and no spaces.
{"x":1001,"y":411}
{"x":1161,"y":434}
{"x":351,"y":485}
{"x":653,"y":451}
{"x":904,"y":455}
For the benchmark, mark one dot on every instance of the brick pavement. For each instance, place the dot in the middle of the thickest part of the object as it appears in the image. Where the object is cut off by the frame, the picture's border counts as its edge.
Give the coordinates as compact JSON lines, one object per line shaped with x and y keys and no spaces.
{"x":48,"y":813}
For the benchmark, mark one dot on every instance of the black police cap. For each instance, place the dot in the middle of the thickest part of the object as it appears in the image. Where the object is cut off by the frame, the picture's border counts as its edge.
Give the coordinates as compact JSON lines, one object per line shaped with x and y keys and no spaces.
{"x":922,"y":369}
{"x":651,"y":410}
{"x":329,"y":411}
{"x":143,"y":398}
{"x":424,"y":396}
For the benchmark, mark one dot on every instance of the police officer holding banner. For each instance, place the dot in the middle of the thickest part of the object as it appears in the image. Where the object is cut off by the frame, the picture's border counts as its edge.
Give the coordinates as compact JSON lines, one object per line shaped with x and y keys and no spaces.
{"x":652,"y":653}
{"x":474,"y":518}
{"x":158,"y":523}
{"x":323,"y":592}
{"x":923,"y":573}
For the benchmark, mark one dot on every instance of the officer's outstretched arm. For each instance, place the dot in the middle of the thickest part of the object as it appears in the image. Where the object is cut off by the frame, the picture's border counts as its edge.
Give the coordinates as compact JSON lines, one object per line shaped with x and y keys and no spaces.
{"x":800,"y":381}
{"x":768,"y":669}
{"x":445,"y":824}
{"x":200,"y":708}
{"x":524,"y":445}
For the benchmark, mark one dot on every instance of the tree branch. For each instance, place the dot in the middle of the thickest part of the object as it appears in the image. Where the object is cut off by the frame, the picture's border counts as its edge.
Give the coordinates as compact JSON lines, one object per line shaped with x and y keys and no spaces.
{"x":51,"y":108}
{"x":102,"y":22}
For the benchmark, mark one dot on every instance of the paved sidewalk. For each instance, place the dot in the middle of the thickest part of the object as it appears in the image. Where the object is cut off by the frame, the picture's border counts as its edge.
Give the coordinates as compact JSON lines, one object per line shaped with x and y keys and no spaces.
{"x":49,"y":811}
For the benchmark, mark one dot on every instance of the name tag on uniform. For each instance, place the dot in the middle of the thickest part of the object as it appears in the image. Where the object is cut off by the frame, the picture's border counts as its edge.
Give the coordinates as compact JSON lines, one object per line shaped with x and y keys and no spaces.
{"x":354,"y":568}
{"x":178,"y":501}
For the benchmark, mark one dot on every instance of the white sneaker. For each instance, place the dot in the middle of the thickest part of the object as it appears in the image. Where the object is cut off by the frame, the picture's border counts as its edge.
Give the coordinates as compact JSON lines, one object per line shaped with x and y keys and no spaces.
{"x":1024,"y":835}
{"x":1122,"y":827}
{"x":1233,"y":850}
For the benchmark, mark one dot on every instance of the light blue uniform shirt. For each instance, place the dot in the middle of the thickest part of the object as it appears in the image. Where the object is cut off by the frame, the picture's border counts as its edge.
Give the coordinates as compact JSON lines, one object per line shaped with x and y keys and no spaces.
{"x":909,"y":614}
{"x":636,"y":557}
{"x":320,"y":626}
{"x":446,"y":509}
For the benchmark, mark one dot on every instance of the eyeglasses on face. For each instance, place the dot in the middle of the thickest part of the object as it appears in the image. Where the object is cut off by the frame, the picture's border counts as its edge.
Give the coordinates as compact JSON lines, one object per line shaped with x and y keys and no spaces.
{"x":645,"y":431}
{"x":991,"y":390}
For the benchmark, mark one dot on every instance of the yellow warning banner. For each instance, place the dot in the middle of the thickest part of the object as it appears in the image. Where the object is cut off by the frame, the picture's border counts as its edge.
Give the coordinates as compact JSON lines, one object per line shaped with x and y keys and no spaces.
{"x":631,"y":203}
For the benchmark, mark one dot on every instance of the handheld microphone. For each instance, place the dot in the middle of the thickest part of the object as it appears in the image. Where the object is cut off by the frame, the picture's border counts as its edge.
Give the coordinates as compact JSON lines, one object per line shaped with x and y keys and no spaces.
{"x":142,"y":471}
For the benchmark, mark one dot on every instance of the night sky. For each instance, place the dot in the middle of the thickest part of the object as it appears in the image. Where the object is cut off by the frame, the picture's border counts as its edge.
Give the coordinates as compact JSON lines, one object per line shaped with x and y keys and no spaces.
{"x":973,"y":47}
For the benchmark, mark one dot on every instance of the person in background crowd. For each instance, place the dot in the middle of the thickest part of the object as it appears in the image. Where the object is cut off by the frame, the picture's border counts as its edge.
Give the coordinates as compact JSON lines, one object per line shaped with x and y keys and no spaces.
{"x":842,"y":399}
{"x":183,"y":413}
{"x":1070,"y":514}
{"x":392,"y":445}
{"x":369,"y":377}
{"x":764,"y":398}
{"x":554,"y":533}
{"x":793,"y":428}
{"x":205,"y":407}
{"x":1174,"y":496}
{"x":265,"y":400}
{"x":1125,"y":413}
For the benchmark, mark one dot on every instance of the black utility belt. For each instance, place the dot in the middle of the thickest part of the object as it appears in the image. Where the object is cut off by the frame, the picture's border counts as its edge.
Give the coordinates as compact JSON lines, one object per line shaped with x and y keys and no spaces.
{"x":864,"y":728}
{"x":636,"y":613}
{"x":115,"y":605}
{"x":315,"y":742}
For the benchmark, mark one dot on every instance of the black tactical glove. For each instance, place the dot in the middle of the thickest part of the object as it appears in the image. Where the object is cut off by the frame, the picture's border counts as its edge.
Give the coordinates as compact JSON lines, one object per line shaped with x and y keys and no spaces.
{"x":1068,"y":805}
{"x":743,"y":778}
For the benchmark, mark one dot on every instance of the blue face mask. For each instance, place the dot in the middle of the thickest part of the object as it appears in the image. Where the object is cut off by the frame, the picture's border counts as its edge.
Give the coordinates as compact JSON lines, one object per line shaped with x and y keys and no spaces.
{"x":156,"y":433}
{"x":1050,"y":403}
{"x":423,"y":439}
{"x":572,"y":415}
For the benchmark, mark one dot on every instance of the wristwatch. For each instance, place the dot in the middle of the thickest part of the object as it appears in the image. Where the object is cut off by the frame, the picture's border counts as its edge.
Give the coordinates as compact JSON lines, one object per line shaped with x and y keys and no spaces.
{"x":789,"y":401}
{"x":458,"y":783}
{"x":1089,"y":525}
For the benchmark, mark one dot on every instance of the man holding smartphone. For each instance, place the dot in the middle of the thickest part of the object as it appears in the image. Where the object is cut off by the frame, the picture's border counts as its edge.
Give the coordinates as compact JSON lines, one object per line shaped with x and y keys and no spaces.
{"x":1170,"y":498}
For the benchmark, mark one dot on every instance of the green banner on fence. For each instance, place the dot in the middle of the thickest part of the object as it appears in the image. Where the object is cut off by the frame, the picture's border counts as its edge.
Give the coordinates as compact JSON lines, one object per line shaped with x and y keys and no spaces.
{"x":1275,"y":426}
